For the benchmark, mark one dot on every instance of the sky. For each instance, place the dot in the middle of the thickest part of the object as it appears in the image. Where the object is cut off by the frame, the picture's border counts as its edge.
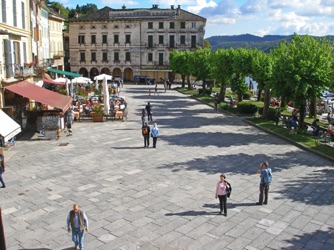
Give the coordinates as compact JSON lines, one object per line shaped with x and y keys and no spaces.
{"x":237,"y":17}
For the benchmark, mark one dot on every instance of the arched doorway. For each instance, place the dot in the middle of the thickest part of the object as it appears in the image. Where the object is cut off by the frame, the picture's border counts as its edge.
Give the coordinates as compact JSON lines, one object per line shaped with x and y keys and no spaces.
{"x":83,"y":72}
{"x":128,"y":74}
{"x":93,"y":72}
{"x":116,"y":72}
{"x":105,"y":71}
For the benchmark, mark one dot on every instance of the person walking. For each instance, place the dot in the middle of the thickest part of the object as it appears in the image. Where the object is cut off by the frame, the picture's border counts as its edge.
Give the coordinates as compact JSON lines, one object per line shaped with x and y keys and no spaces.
{"x":146,"y":134}
{"x":266,"y":177}
{"x":143,"y":117}
{"x":69,"y":121}
{"x":155,"y":134}
{"x":2,"y":168}
{"x":156,"y":89}
{"x":77,"y":221}
{"x":222,"y":190}
{"x":148,"y":109}
{"x":165,"y":84}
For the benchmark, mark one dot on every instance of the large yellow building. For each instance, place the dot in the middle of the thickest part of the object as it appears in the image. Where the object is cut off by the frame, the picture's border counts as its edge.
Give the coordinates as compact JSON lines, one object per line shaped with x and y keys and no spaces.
{"x":127,"y":42}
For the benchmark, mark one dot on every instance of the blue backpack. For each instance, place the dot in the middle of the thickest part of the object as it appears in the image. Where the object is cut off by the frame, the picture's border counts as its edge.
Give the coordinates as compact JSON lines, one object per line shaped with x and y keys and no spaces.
{"x":268,"y":177}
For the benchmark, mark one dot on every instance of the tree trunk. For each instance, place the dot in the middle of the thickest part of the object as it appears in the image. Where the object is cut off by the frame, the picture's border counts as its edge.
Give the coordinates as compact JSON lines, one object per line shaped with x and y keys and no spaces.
{"x":188,"y":82}
{"x":313,"y":109}
{"x":259,"y":92}
{"x":301,"y":124}
{"x":266,"y":102}
{"x":183,"y":77}
{"x":222,"y":92}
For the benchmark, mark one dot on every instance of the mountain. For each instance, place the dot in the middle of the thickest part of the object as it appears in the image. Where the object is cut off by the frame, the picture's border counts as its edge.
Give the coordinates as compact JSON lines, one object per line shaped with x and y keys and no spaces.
{"x":249,"y":41}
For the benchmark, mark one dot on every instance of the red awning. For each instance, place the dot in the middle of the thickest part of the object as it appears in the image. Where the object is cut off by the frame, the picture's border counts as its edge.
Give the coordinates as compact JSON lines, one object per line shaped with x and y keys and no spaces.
{"x":44,"y":96}
{"x":53,"y":82}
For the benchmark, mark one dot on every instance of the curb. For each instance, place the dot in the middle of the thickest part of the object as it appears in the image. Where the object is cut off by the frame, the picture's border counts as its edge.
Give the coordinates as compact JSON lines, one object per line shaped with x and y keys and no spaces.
{"x":291,"y":141}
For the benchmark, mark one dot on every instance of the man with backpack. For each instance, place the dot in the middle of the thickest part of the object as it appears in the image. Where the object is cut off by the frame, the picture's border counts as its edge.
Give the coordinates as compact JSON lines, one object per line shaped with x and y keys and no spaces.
{"x":266,"y":178}
{"x":145,"y":130}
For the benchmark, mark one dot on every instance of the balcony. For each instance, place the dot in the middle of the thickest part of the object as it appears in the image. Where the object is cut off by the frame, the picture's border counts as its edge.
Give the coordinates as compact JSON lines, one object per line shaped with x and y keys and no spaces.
{"x":57,"y":54}
{"x":23,"y":71}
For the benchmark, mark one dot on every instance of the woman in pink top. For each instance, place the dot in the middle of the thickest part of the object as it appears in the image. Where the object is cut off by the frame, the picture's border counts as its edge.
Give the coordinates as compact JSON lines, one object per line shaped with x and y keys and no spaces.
{"x":221,"y":193}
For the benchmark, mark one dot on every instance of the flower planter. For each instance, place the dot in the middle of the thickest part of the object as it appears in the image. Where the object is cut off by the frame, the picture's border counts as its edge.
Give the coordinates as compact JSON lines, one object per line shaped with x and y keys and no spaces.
{"x":97,"y":118}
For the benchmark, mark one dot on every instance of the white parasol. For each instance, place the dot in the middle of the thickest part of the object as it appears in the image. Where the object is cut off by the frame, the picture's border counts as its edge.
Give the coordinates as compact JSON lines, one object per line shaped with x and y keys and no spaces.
{"x":81,"y":80}
{"x":105,"y":79}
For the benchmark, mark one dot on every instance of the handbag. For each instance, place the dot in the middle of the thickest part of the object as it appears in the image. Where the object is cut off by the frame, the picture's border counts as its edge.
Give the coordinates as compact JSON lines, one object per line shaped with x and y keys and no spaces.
{"x":228,"y":189}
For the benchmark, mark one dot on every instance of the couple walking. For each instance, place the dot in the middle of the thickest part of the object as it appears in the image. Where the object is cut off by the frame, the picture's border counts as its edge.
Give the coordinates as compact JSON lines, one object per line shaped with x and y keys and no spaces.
{"x":146,"y":132}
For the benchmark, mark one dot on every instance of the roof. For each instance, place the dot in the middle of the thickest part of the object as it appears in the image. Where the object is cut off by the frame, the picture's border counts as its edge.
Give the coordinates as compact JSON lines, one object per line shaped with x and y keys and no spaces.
{"x":108,"y":13}
{"x":44,"y":96}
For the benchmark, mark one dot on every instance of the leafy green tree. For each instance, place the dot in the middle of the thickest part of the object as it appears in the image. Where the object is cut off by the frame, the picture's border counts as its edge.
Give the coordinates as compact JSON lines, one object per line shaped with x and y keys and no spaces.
{"x":179,"y":64}
{"x":207,"y":44}
{"x":64,"y":12}
{"x":221,"y":69}
{"x":242,"y":67}
{"x":200,"y":64}
{"x":262,"y":72}
{"x":303,"y":67}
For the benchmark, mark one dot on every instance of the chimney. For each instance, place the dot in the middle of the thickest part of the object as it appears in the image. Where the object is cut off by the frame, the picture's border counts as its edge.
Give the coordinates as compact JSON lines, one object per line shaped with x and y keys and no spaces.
{"x":178,"y":10}
{"x":155,"y":6}
{"x":172,"y":7}
{"x":123,"y":7}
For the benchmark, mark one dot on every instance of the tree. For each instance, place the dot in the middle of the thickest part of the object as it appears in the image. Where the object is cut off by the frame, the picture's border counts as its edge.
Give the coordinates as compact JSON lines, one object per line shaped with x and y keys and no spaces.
{"x":179,"y":64}
{"x":207,"y":44}
{"x":59,"y":7}
{"x":200,"y":64}
{"x":302,"y":70}
{"x":242,"y":67}
{"x":262,"y":72}
{"x":221,"y":69}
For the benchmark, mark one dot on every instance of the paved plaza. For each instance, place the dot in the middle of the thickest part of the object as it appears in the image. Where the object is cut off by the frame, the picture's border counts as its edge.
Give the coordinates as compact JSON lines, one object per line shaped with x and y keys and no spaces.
{"x":163,"y":198}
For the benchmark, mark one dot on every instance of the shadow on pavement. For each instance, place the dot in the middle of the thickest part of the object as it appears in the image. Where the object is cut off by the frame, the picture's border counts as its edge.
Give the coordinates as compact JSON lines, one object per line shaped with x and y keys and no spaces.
{"x":192,"y":213}
{"x":320,"y":239}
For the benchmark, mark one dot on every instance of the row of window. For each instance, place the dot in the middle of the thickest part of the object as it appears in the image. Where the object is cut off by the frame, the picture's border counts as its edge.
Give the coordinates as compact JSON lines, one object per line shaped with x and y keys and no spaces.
{"x":149,"y":25}
{"x":171,"y":25}
{"x":93,"y":57}
{"x":161,"y":38}
{"x":15,"y":12}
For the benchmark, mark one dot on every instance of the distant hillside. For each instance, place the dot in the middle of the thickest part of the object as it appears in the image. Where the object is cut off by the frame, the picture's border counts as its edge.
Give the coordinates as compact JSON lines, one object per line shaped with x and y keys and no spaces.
{"x":265,"y":43}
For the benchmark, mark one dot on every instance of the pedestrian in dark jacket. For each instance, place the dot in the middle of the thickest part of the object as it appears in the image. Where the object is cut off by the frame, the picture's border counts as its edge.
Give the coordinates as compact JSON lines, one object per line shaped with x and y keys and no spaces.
{"x":146,"y":134}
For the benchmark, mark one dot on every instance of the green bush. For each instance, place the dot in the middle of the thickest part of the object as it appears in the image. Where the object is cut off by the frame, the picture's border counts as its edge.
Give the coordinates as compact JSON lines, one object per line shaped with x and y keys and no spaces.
{"x":246,"y":108}
{"x":204,"y":92}
{"x":247,"y":95}
{"x":271,"y":113}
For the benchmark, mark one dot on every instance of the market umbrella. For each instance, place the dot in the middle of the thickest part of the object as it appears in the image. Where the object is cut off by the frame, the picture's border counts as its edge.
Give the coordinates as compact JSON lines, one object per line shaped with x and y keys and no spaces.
{"x":81,"y":79}
{"x":106,"y":96}
{"x":105,"y":79}
{"x":64,"y":80}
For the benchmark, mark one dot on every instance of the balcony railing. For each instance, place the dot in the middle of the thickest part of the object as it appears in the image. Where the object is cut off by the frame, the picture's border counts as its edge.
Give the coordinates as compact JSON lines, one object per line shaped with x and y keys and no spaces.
{"x":23,"y":71}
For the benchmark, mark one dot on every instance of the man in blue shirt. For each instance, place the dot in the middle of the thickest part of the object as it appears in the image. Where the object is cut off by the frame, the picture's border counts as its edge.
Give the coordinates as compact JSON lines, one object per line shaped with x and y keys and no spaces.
{"x":78,"y":222}
{"x":266,"y":177}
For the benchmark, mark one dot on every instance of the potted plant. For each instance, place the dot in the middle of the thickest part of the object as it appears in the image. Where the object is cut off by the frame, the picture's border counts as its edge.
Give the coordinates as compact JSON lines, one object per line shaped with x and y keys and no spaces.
{"x":97,"y":113}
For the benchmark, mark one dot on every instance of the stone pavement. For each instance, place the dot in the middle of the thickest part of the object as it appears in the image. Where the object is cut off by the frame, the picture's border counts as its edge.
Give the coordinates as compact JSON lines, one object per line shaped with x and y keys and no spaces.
{"x":163,"y":198}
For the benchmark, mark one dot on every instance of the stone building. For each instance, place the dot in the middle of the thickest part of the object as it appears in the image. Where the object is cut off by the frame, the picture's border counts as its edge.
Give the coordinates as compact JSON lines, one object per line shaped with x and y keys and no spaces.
{"x":128,"y":42}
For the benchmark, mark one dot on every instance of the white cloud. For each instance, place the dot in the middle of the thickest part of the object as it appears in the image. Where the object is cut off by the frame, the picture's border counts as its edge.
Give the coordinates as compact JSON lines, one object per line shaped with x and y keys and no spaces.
{"x":263,"y":32}
{"x":201,"y":4}
{"x":254,"y":6}
{"x":117,"y":4}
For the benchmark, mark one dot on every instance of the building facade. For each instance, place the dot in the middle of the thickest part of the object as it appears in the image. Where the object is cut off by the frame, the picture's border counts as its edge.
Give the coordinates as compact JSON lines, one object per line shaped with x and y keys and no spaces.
{"x":30,"y":37}
{"x":128,"y":42}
